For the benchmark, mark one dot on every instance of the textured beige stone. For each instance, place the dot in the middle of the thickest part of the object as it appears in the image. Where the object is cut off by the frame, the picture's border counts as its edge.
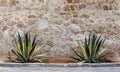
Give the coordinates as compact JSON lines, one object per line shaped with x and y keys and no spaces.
{"x":67,"y":8}
{"x":4,"y":28}
{"x":69,"y":1}
{"x":3,"y":3}
{"x":60,"y":22}
{"x":107,"y":7}
{"x":20,"y":25}
{"x":73,"y":7}
{"x":75,"y":29}
{"x":13,"y":2}
{"x":82,"y":6}
{"x":3,"y":9}
{"x":76,"y":1}
{"x":50,"y":43}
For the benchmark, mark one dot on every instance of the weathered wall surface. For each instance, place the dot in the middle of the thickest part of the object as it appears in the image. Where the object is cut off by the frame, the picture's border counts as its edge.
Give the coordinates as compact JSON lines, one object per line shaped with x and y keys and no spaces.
{"x":60,"y":22}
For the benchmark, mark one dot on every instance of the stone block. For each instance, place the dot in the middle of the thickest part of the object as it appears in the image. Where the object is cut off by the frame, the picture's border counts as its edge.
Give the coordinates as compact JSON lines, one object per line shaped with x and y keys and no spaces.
{"x":74,"y":7}
{"x":107,"y":7}
{"x":70,"y":1}
{"x":76,"y":1}
{"x":82,"y":6}
{"x":3,"y":9}
{"x":3,"y":3}
{"x":67,"y":8}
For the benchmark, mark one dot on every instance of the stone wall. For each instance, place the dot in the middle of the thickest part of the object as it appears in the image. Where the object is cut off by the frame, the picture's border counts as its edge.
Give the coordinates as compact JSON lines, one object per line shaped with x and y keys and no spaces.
{"x":60,"y":22}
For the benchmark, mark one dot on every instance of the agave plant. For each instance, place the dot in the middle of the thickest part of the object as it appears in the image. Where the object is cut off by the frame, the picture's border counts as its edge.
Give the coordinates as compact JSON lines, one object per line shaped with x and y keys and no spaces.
{"x":25,"y":49}
{"x":91,"y":51}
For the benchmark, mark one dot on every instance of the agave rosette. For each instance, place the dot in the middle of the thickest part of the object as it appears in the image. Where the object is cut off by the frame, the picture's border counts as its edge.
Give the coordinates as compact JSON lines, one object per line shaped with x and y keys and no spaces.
{"x":91,"y":51}
{"x":26,"y":49}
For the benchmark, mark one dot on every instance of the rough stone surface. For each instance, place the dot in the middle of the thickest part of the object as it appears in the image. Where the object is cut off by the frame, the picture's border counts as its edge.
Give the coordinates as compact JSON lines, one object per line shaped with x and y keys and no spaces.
{"x":60,"y":22}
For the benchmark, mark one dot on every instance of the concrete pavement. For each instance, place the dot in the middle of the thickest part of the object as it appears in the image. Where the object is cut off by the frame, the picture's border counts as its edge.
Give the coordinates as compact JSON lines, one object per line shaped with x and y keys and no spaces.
{"x":59,"y":69}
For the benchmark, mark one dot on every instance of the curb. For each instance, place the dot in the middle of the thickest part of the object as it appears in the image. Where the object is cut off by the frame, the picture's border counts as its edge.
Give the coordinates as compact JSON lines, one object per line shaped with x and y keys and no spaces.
{"x":59,"y":64}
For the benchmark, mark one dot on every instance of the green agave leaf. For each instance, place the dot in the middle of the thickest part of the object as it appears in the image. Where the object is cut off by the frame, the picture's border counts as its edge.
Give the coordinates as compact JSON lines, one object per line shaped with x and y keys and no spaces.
{"x":103,"y":41}
{"x":14,"y":52}
{"x":25,"y":49}
{"x":32,"y":50}
{"x":22,"y":57}
{"x":33,"y":45}
{"x":93,"y":44}
{"x":26,"y":44}
{"x":34,"y":39}
{"x":81,"y":58}
{"x":20,"y":43}
{"x":82,"y":49}
{"x":96,"y":46}
{"x":18,"y":54}
{"x":91,"y":50}
{"x":37,"y":49}
{"x":29,"y":37}
{"x":87,"y":48}
{"x":29,"y":44}
{"x":90,"y":47}
{"x":15,"y":44}
{"x":78,"y":59}
{"x":99,"y":45}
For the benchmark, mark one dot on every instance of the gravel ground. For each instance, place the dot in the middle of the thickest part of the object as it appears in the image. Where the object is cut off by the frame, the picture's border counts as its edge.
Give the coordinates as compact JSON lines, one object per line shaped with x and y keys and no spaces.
{"x":59,"y":69}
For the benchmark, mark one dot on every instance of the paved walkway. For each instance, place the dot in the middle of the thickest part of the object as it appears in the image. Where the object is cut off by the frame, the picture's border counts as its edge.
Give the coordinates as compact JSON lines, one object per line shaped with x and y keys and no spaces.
{"x":59,"y":69}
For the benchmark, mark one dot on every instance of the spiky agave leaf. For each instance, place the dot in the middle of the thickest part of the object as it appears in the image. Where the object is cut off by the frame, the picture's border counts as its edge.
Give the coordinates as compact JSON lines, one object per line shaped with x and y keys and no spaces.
{"x":82,"y":49}
{"x":86,"y":47}
{"x":93,"y":44}
{"x":91,"y":49}
{"x":33,"y":45}
{"x":26,"y":44}
{"x":80,"y":57}
{"x":20,"y":43}
{"x":25,"y":49}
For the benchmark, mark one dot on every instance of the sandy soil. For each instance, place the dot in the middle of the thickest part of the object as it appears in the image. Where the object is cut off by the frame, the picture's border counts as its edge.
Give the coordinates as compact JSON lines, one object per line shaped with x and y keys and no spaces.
{"x":4,"y":58}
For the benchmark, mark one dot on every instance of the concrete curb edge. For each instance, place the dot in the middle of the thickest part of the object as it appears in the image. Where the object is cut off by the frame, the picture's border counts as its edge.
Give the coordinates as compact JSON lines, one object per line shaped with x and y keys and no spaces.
{"x":59,"y":64}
